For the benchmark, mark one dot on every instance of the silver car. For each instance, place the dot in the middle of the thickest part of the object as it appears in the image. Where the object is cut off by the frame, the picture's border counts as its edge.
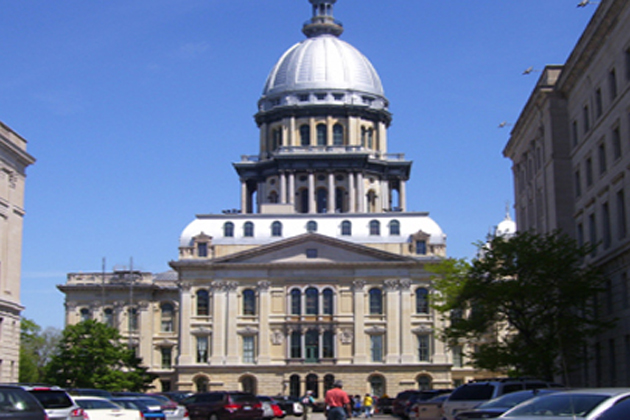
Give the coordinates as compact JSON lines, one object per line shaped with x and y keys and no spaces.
{"x":57,"y":403}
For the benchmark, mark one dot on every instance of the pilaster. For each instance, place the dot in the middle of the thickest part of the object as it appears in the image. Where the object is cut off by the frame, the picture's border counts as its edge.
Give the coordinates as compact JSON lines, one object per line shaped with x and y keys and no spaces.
{"x":406,"y":337}
{"x":264,"y":356}
{"x":360,"y":344}
{"x":393,"y":321}
{"x":233,"y":353}
{"x":184,"y":337}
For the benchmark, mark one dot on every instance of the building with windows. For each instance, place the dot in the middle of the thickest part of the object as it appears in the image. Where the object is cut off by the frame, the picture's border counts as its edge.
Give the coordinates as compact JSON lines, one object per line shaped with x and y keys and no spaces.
{"x":321,"y":275}
{"x":571,"y":156}
{"x":13,"y":162}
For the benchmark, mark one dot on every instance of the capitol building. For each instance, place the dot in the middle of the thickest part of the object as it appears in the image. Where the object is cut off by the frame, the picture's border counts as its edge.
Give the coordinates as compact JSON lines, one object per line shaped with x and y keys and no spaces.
{"x":321,"y":275}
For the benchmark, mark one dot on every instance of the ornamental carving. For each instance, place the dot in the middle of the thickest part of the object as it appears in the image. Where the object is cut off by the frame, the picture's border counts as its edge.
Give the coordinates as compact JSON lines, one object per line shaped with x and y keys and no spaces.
{"x":71,"y":306}
{"x":277,"y":337}
{"x":346,"y":336}
{"x":184,"y":285}
{"x":405,"y":284}
{"x":264,"y":285}
{"x":358,"y":285}
{"x":422,"y":329}
{"x":391,"y":285}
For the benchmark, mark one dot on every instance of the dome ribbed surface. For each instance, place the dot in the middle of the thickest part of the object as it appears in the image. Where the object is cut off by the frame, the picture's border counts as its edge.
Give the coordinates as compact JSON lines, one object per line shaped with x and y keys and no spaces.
{"x":324,"y":62}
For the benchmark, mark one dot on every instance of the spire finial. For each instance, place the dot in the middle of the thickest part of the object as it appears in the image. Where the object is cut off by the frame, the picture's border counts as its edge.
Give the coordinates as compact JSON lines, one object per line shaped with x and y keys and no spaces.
{"x":322,"y":21}
{"x":507,"y":211}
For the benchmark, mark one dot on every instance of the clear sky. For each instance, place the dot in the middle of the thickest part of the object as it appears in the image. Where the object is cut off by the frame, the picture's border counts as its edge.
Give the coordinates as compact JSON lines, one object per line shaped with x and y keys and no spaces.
{"x":136,"y":109}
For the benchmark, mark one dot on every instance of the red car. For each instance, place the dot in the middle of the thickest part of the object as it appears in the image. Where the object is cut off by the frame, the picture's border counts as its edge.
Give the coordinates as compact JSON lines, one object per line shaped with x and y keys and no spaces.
{"x":223,"y":405}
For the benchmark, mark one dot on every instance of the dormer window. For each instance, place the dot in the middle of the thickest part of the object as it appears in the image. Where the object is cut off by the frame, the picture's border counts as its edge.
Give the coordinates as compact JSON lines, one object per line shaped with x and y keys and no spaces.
{"x":421,"y":247}
{"x":228,"y":229}
{"x":202,"y":249}
{"x":276,"y":229}
{"x":320,"y":96}
{"x":367,"y":100}
{"x":202,"y":245}
{"x":338,"y":96}
{"x":303,"y":97}
{"x":394,"y":228}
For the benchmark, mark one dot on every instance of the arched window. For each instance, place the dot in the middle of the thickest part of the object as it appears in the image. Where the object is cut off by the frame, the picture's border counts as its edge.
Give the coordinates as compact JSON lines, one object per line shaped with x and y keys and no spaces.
{"x":311,"y":226}
{"x":202,"y":384}
{"x":376,"y":301}
{"x":203,"y":303}
{"x":422,"y":301}
{"x":133,"y":319}
{"x":168,"y":315}
{"x":303,"y":200}
{"x":311,"y":341}
{"x":339,"y":200}
{"x":294,"y":386}
{"x":248,"y":230}
{"x":394,"y":228}
{"x":377,"y":385}
{"x":322,"y":200}
{"x":305,"y":135}
{"x":375,"y":228}
{"x":338,"y":135}
{"x":296,"y":302}
{"x":296,"y":345}
{"x":85,"y":314}
{"x":327,"y":302}
{"x":249,"y":302}
{"x":329,"y":381}
{"x":328,"y":349}
{"x":321,"y":135}
{"x":312,"y":301}
{"x":370,"y":138}
{"x":346,"y":228}
{"x":228,"y":230}
{"x":276,"y":140}
{"x":312,"y":384}
{"x":276,"y":229}
{"x":248,"y":384}
{"x":108,"y":317}
{"x":424,"y":382}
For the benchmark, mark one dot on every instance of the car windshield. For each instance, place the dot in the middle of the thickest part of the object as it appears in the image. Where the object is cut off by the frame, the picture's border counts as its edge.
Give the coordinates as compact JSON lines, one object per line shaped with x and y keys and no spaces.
{"x":89,"y":404}
{"x":508,"y":400}
{"x":14,"y":400}
{"x":472,"y":392}
{"x":242,"y":398}
{"x":52,"y":399}
{"x":564,"y":405}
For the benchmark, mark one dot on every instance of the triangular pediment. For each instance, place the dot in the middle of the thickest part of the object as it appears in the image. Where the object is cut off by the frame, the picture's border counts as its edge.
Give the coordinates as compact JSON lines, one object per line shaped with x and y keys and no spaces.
{"x":311,"y":248}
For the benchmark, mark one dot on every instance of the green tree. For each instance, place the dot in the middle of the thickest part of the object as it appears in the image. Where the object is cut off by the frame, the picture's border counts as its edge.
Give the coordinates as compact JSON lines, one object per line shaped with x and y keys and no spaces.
{"x":529,"y":303}
{"x":36,"y":348}
{"x":92,"y":355}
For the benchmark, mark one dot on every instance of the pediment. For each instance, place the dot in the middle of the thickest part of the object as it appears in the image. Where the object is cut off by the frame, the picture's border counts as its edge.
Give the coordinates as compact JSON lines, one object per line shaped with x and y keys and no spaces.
{"x":311,"y":248}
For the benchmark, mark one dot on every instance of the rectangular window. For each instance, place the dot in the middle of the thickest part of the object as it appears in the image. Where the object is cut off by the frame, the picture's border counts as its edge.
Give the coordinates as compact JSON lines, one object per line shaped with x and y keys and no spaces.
{"x":376,"y":348}
{"x":311,"y":253}
{"x":580,"y":234}
{"x":612,"y":362}
{"x":624,"y":292}
{"x":133,"y":319}
{"x":578,"y":184}
{"x":458,"y":357}
{"x":248,"y":349}
{"x":606,"y":234}
{"x":421,"y":247}
{"x":612,"y":84}
{"x":587,"y":118}
{"x":602,"y":158}
{"x":202,"y":349}
{"x":622,"y":227}
{"x":296,"y":345}
{"x":166,"y":358}
{"x":574,"y":133}
{"x":589,"y":172}
{"x":423,"y":348}
{"x":592,"y":233}
{"x":616,"y":143}
{"x":202,"y":249}
{"x":599,"y":108}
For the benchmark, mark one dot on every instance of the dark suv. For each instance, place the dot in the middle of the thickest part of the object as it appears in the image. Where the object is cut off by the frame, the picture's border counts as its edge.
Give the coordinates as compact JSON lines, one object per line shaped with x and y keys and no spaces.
{"x":404,"y":400}
{"x":225,"y":405}
{"x":17,"y":404}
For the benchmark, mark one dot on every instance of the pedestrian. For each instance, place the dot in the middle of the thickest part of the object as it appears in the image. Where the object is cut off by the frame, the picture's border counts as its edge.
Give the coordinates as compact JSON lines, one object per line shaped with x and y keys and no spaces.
{"x":368,"y":403}
{"x":356,"y":406}
{"x":337,"y":401}
{"x":308,"y":402}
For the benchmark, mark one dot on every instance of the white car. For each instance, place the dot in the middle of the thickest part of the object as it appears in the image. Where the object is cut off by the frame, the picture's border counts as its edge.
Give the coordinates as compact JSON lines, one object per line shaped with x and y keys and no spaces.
{"x":97,"y":408}
{"x":580,"y":404}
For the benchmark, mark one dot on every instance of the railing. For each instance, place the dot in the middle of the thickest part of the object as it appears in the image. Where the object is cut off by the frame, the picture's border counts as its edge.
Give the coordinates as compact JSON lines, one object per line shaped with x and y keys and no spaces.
{"x":292,"y":150}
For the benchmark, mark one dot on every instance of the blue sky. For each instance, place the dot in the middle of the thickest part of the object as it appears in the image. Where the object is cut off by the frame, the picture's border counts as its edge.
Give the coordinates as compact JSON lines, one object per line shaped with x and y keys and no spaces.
{"x":136,"y":109}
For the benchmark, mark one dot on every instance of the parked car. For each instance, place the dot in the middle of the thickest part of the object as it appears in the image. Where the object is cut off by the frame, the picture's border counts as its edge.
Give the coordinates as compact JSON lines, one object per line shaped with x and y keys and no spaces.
{"x":17,"y":404}
{"x":99,"y":408}
{"x":498,"y":406}
{"x":56,"y":402}
{"x":403,"y":401}
{"x":270,"y":407}
{"x":619,"y":411}
{"x":581,"y":404}
{"x":90,"y":392}
{"x":290,"y":405}
{"x":223,"y":405}
{"x":172,"y":409}
{"x":177,"y":396}
{"x":150,"y":409}
{"x":384,"y":405}
{"x":472,"y":394}
{"x":430,"y":409}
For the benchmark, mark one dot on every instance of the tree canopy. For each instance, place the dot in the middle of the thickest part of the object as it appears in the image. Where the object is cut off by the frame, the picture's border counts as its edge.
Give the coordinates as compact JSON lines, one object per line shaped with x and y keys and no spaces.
{"x":528,"y":304}
{"x":36,"y":349}
{"x":92,"y":355}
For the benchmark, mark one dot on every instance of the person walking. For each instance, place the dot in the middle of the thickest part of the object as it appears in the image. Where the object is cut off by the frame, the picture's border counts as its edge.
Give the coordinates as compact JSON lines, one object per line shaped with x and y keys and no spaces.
{"x":337,"y":401}
{"x":368,"y":404}
{"x":308,"y":402}
{"x":356,"y":406}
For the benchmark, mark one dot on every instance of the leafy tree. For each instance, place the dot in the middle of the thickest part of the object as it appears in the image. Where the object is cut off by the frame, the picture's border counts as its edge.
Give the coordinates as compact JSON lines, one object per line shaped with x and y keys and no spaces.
{"x":529,"y":303}
{"x":36,"y":349}
{"x":92,"y":355}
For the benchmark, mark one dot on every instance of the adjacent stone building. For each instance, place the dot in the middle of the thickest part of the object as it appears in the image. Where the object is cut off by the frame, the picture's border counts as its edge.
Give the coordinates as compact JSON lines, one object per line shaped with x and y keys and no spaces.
{"x":13,"y":163}
{"x":321,"y":274}
{"x":570,"y":150}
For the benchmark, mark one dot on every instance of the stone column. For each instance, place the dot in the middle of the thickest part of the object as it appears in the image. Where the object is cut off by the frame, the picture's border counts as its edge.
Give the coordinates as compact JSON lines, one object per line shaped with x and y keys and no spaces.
{"x":264,"y":356}
{"x":283,"y":188}
{"x":233,"y":352}
{"x":406,"y":337}
{"x":219,"y":301}
{"x":312,"y":205}
{"x":145,"y":324}
{"x":291,"y":191}
{"x":291,"y":139}
{"x":244,"y":208}
{"x":331,"y":193}
{"x":392,"y":300}
{"x":260,"y":195}
{"x":385,"y":200}
{"x":382,"y":137}
{"x":360,"y":193}
{"x":186,"y":353}
{"x":402,"y":196}
{"x":360,"y":342}
{"x":352,"y":193}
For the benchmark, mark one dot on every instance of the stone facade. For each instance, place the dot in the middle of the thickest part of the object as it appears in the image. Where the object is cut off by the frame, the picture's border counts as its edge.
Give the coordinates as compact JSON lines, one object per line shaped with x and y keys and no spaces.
{"x":13,"y":163}
{"x":571,"y":157}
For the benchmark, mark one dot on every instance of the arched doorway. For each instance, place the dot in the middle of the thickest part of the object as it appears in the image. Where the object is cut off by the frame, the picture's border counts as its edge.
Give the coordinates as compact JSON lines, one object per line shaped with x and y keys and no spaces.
{"x":202,"y":384}
{"x":312,"y":382}
{"x":248,"y":384}
{"x":377,"y":385}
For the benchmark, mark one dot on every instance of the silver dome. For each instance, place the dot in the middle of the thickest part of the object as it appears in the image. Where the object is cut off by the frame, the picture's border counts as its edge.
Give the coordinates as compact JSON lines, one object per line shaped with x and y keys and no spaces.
{"x":323,"y":64}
